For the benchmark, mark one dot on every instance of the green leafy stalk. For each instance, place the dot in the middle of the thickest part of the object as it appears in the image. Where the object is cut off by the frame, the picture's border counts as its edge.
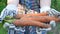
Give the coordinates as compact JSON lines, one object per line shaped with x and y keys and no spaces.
{"x":9,"y":19}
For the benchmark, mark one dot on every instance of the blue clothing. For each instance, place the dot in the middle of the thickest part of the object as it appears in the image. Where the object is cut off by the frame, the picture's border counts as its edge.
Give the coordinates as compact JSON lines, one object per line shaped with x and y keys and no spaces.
{"x":30,"y":4}
{"x":33,"y":5}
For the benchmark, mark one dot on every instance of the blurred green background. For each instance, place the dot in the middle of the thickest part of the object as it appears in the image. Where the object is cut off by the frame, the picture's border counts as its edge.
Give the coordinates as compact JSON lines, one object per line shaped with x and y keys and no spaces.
{"x":55,"y":4}
{"x":3,"y":3}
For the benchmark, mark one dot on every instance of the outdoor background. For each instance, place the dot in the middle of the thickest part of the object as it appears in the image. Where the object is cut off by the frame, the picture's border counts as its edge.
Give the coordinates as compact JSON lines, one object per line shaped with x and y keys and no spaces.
{"x":55,"y":5}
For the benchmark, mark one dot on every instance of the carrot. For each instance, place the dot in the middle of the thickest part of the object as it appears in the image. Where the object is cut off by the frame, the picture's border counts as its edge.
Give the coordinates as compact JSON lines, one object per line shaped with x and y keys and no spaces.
{"x":22,"y":15}
{"x":23,"y":22}
{"x":42,"y":18}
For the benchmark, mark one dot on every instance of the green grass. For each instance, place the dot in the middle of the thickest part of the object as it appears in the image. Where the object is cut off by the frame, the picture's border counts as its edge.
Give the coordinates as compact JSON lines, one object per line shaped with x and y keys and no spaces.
{"x":2,"y":5}
{"x":2,"y":30}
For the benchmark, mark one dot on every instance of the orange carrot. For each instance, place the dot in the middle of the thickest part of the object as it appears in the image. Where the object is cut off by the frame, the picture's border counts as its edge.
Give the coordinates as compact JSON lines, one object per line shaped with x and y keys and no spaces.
{"x":22,"y":15}
{"x":23,"y":22}
{"x":42,"y":18}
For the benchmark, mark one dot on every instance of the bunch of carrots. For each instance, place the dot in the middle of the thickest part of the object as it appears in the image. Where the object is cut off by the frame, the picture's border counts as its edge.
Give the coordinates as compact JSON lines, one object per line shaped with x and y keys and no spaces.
{"x":38,"y":20}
